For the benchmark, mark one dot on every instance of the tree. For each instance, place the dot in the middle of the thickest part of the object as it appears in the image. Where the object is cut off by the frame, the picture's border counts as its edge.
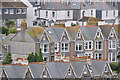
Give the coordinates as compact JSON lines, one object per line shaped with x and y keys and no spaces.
{"x":4,"y":30}
{"x":115,"y":67}
{"x":40,"y":58}
{"x":10,"y":23}
{"x":31,"y":57}
{"x":12,"y":30}
{"x":8,"y":59}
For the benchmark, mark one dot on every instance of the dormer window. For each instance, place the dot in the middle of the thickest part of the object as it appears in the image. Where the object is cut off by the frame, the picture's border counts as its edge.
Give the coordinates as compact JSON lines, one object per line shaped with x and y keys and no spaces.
{"x":44,"y":74}
{"x":112,"y":34}
{"x":98,"y":34}
{"x":68,"y":13}
{"x":105,"y":68}
{"x":69,"y":71}
{"x":78,"y":35}
{"x":18,"y":11}
{"x":6,"y":11}
{"x":43,"y":38}
{"x":53,"y":14}
{"x":106,"y":13}
{"x":11,"y":11}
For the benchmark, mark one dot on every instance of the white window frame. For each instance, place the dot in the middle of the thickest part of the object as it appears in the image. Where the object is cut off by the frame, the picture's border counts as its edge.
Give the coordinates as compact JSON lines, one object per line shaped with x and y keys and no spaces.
{"x":111,"y":44}
{"x":97,"y":45}
{"x":19,"y":11}
{"x":110,"y":57}
{"x":46,"y":14}
{"x":23,"y":11}
{"x":37,"y":2}
{"x":97,"y":56}
{"x":53,"y":14}
{"x":89,"y":54}
{"x":78,"y":34}
{"x":98,"y":34}
{"x":45,"y":57}
{"x":78,"y":44}
{"x":42,"y":47}
{"x":106,"y":13}
{"x":114,"y":13}
{"x":88,"y":43}
{"x":11,"y":11}
{"x":56,"y":46}
{"x":68,"y":13}
{"x":45,"y":74}
{"x":64,"y":47}
{"x":6,"y":11}
{"x":69,"y":71}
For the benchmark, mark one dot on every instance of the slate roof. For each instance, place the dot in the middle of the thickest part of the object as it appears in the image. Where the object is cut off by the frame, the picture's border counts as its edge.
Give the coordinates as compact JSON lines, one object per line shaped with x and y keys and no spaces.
{"x":15,"y":71}
{"x":36,"y":69}
{"x":88,"y":32}
{"x":105,"y":31}
{"x":54,"y":34}
{"x":13,"y":3}
{"x":72,"y":32}
{"x":80,"y":5}
{"x":117,"y":30}
{"x":57,"y":69}
{"x":107,"y":6}
{"x":78,"y":67}
{"x":55,"y":6}
{"x":96,"y":68}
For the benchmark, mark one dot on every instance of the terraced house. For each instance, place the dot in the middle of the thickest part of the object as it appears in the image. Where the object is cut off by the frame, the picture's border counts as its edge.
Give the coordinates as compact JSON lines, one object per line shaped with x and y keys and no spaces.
{"x":61,"y":70}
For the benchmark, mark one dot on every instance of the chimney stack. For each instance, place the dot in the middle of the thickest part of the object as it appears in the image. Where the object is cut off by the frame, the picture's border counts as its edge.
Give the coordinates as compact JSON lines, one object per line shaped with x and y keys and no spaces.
{"x":23,"y":25}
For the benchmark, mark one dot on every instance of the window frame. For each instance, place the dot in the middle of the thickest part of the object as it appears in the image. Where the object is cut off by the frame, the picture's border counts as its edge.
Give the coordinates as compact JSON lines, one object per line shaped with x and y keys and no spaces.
{"x":12,"y":11}
{"x":78,"y":44}
{"x":88,"y":45}
{"x":6,"y":11}
{"x":98,"y":56}
{"x":20,"y":11}
{"x":43,"y":48}
{"x":111,"y":44}
{"x":56,"y":47}
{"x":97,"y":45}
{"x":63,"y":47}
{"x":118,"y":43}
{"x":53,"y":14}
{"x":111,"y":57}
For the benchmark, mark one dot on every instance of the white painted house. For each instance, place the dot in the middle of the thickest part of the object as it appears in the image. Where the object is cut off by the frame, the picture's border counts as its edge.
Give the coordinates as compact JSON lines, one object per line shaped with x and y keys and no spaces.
{"x":55,"y":11}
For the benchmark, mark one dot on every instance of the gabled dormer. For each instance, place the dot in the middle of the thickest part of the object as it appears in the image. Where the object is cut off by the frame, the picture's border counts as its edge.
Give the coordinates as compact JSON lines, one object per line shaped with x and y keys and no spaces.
{"x":86,"y":72}
{"x":28,"y":74}
{"x":65,"y":37}
{"x":112,"y":34}
{"x":44,"y":38}
{"x":45,"y":73}
{"x":112,"y":39}
{"x":99,"y":35}
{"x":79,"y":36}
{"x":107,"y":72}
{"x":70,"y":73}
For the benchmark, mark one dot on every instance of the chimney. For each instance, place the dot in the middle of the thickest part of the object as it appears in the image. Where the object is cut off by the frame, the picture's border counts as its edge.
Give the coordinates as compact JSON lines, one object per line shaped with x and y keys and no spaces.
{"x":103,"y":4}
{"x":23,"y":25}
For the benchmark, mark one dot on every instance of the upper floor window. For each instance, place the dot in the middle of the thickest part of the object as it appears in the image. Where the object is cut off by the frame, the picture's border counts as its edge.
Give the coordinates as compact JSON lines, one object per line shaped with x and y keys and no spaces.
{"x":68,"y":13}
{"x":65,"y":47}
{"x":98,"y":45}
{"x":91,"y":12}
{"x":113,"y":13}
{"x":53,"y":14}
{"x":56,"y":47}
{"x":52,"y":47}
{"x":89,"y":54}
{"x":98,"y":34}
{"x":69,"y":71}
{"x":23,"y":11}
{"x":35,"y":12}
{"x":46,"y":14}
{"x":79,"y":46}
{"x":106,"y":13}
{"x":98,"y":56}
{"x":112,"y":57}
{"x":6,"y":11}
{"x":18,"y":11}
{"x":88,"y":45}
{"x":37,"y":2}
{"x":11,"y":11}
{"x":45,"y":48}
{"x":112,"y":44}
{"x":78,"y":35}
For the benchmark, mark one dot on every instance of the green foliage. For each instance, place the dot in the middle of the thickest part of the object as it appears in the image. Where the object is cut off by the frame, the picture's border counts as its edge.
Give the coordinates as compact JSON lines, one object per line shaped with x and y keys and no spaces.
{"x":8,"y":59}
{"x":115,"y":67}
{"x":4,"y":30}
{"x":72,"y":24}
{"x":35,"y":57}
{"x":40,"y":58}
{"x":10,"y":23}
{"x":12,"y":30}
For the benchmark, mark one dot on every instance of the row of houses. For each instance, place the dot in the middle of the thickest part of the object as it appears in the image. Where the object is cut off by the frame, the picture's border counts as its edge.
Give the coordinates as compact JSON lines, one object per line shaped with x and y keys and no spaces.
{"x":98,"y":42}
{"x":45,"y":13}
{"x":59,"y":70}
